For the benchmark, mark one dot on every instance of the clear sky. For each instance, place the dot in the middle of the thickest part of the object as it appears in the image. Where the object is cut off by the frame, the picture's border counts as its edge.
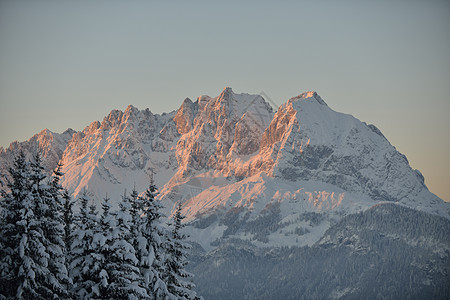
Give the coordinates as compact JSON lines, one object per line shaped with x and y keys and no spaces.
{"x":67,"y":63}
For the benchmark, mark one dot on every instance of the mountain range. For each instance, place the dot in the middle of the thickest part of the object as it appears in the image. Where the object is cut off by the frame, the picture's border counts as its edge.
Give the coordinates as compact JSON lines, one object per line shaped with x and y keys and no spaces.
{"x":303,"y":195}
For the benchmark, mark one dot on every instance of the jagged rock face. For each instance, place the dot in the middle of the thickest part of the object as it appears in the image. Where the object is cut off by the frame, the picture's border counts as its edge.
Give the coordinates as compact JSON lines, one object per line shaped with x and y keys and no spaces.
{"x":247,"y":136}
{"x":50,"y":146}
{"x":223,"y":126}
{"x":107,"y":151}
{"x":184,"y":118}
{"x":119,"y":131}
{"x":209,"y":134}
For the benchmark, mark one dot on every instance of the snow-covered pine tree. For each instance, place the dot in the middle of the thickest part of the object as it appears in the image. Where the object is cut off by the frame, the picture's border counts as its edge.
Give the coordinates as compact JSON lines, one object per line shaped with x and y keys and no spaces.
{"x":53,"y":227}
{"x":135,"y":212}
{"x":33,"y":257}
{"x":107,"y":222}
{"x":150,"y":251}
{"x":178,"y":280}
{"x":36,"y":260}
{"x":105,"y":217}
{"x":68,"y":221}
{"x":88,"y":260}
{"x":12,"y":202}
{"x":121,"y":265}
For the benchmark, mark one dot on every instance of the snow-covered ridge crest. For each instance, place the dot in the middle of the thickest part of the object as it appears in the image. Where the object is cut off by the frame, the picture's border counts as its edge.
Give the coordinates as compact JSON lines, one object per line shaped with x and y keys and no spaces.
{"x":112,"y":153}
{"x":217,"y":137}
{"x":49,"y":144}
{"x":210,"y":133}
{"x":311,"y":96}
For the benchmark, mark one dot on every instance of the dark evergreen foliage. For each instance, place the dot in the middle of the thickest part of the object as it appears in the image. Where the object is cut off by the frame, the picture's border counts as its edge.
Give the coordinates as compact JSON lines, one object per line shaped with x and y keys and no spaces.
{"x":68,"y":220}
{"x":121,"y":255}
{"x":88,"y":259}
{"x":386,"y":252}
{"x":33,"y":259}
{"x":150,"y":248}
{"x":177,"y":278}
{"x":49,"y":252}
{"x":123,"y":277}
{"x":12,"y":203}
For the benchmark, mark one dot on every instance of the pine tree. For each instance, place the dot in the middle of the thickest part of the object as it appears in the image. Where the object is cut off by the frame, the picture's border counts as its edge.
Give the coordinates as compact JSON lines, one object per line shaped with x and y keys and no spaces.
{"x":107,"y":222}
{"x":34,"y":263}
{"x":33,"y":257}
{"x":121,"y":267}
{"x":86,"y":266}
{"x":135,"y":212}
{"x":179,"y":281}
{"x":53,"y":226}
{"x":150,"y":249}
{"x":12,"y":203}
{"x":68,"y":220}
{"x":32,"y":235}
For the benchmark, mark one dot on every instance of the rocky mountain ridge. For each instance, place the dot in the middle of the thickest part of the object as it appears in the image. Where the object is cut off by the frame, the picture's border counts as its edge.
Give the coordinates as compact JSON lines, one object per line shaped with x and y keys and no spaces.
{"x":49,"y":144}
{"x":240,"y":169}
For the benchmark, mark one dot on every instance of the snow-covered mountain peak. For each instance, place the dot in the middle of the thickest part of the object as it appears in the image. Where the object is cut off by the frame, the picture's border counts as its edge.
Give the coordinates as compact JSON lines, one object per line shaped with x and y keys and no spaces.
{"x":111,"y":153}
{"x":69,"y":131}
{"x":202,"y":101}
{"x":91,"y":128}
{"x":112,"y":120}
{"x":226,"y":94}
{"x":187,"y":101}
{"x":310,"y":96}
{"x":46,"y":140}
{"x":45,"y":132}
{"x":217,"y":131}
{"x":50,"y":146}
{"x":131,"y":110}
{"x":185,"y":116}
{"x":233,"y":105}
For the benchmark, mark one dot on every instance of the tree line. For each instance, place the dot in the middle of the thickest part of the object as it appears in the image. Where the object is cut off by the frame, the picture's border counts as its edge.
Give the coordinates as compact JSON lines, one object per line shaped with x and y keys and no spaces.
{"x":50,"y":251}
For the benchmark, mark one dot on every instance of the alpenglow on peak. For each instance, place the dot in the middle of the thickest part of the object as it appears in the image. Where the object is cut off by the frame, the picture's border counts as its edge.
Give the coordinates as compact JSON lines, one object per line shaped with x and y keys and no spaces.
{"x":311,"y":95}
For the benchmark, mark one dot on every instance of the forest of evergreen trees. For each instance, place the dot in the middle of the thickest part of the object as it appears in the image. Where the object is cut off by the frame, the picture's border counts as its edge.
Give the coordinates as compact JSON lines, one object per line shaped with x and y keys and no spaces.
{"x":48,"y":250}
{"x":386,"y":252}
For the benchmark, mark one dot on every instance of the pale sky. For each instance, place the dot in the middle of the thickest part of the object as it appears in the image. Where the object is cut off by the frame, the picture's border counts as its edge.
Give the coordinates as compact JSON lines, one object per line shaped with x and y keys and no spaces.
{"x":67,"y":63}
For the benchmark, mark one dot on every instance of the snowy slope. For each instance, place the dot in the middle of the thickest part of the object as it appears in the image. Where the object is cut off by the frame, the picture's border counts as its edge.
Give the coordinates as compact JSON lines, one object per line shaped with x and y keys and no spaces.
{"x":269,"y":212}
